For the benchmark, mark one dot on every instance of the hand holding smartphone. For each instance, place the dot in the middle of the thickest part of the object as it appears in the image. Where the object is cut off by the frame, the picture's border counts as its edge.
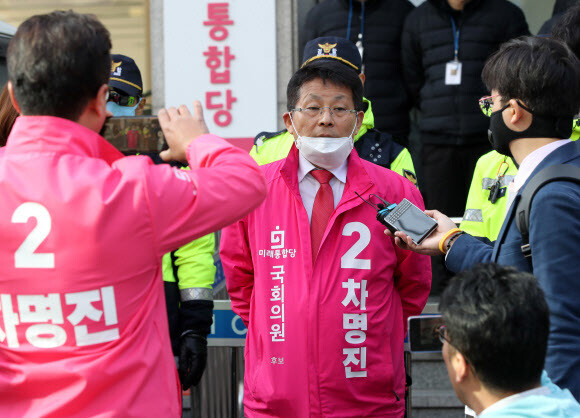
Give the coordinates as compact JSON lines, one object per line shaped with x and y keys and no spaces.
{"x":181,"y":127}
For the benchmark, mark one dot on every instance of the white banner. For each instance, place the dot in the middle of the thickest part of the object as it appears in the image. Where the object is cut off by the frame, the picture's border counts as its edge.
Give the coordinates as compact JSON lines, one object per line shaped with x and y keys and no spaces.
{"x":223,"y":53}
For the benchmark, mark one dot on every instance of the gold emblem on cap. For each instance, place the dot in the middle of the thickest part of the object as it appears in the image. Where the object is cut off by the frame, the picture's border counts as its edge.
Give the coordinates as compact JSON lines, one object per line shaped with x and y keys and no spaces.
{"x":114,"y":65}
{"x":327,"y":47}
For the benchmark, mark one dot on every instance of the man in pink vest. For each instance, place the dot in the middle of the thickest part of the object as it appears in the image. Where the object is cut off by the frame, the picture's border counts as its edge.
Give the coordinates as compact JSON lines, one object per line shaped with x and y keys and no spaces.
{"x":325,"y":296}
{"x":83,"y":327}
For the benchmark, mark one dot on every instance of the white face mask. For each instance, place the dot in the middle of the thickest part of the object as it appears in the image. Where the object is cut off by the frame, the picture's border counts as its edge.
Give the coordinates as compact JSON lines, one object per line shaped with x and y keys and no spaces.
{"x":325,"y":152}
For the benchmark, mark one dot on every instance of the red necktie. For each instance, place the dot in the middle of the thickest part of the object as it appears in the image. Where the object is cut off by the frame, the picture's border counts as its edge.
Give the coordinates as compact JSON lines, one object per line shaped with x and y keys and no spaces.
{"x":322,"y":209}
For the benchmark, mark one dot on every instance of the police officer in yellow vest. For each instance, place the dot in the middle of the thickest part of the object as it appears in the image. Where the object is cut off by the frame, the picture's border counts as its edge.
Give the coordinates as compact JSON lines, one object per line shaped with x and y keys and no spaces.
{"x":486,"y":207}
{"x":189,"y":272}
{"x":487,"y":199}
{"x":370,"y":144}
{"x":188,"y":276}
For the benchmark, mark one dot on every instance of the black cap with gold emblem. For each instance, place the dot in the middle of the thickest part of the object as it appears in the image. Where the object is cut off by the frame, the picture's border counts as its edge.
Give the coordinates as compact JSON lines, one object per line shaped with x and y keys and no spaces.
{"x":125,"y":75}
{"x":335,"y":48}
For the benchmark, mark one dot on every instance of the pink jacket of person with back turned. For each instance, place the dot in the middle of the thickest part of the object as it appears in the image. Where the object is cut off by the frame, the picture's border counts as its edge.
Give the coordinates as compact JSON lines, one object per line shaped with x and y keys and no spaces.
{"x":83,"y":326}
{"x":324,"y":340}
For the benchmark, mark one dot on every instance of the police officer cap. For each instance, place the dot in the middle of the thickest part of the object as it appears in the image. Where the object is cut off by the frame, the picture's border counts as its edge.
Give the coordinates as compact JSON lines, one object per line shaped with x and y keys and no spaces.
{"x":332,"y":48}
{"x":125,"y":75}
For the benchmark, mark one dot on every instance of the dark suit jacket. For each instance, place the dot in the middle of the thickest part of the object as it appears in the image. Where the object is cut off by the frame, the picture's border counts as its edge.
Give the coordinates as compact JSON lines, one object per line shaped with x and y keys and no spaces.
{"x":555,"y":244}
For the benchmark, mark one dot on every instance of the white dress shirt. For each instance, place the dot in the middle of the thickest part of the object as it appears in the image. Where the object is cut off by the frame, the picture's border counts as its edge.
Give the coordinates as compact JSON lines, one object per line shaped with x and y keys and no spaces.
{"x":528,"y":165}
{"x":309,"y":186}
{"x":502,"y":403}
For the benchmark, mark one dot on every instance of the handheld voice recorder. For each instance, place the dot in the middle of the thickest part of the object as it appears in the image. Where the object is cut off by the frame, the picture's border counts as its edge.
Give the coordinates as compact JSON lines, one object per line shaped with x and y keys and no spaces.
{"x":405,"y":217}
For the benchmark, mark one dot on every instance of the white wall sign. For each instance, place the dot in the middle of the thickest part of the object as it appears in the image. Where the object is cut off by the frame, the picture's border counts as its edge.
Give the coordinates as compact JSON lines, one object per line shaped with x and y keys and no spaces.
{"x":223,"y":53}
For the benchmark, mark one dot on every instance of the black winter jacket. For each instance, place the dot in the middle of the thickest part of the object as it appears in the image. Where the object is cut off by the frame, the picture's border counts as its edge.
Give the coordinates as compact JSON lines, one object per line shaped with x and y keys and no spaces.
{"x":383,"y":24}
{"x":450,"y":114}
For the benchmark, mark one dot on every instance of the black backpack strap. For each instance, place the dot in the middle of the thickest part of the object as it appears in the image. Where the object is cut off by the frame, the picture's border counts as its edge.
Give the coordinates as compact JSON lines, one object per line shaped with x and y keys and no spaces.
{"x":562,"y":172}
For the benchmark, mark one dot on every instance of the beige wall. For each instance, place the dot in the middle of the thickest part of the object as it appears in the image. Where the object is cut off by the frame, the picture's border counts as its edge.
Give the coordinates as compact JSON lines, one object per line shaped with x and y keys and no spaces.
{"x":536,"y":12}
{"x":127,"y":20}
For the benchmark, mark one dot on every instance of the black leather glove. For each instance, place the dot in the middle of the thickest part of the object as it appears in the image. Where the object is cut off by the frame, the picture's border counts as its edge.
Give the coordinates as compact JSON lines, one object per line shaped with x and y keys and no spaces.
{"x":192,"y":359}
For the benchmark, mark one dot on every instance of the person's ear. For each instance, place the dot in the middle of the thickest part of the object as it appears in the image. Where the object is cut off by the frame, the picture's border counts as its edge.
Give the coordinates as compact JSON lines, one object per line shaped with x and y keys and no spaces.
{"x":12,"y":97}
{"x":508,"y":114}
{"x":99,"y":103}
{"x":460,"y":366}
{"x":288,"y":122}
{"x":517,"y":111}
{"x":362,"y":78}
{"x":359,"y":120}
{"x":518,"y":117}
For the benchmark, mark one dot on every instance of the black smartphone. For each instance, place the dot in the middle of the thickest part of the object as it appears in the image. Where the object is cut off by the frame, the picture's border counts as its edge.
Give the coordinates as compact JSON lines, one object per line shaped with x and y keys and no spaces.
{"x":424,"y":333}
{"x":408,"y":218}
{"x":135,"y":134}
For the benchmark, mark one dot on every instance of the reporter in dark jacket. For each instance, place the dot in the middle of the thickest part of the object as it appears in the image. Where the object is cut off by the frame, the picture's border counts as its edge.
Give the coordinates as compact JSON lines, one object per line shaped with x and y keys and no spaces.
{"x":445,"y":44}
{"x":377,"y":24}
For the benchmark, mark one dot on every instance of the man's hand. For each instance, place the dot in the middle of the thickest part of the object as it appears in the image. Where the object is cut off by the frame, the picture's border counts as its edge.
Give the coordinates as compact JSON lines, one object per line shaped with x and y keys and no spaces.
{"x":192,"y":359}
{"x":180,"y":127}
{"x":430,"y":245}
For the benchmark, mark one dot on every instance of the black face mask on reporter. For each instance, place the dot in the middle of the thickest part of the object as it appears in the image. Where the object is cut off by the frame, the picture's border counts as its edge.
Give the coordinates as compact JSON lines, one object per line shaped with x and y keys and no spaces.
{"x":500,"y":135}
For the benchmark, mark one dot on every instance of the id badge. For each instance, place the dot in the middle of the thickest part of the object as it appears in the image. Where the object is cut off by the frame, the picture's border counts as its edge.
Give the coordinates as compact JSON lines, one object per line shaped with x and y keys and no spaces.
{"x":453,"y":73}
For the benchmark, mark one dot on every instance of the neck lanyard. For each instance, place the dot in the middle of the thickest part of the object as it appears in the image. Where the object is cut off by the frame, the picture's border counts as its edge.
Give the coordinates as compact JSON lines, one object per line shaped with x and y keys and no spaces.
{"x":455,"y":39}
{"x":362,"y":23}
{"x":349,"y":19}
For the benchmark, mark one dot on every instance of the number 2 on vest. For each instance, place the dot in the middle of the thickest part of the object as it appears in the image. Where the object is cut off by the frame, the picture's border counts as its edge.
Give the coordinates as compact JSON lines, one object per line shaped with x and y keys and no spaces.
{"x":349,"y":259}
{"x":25,"y":257}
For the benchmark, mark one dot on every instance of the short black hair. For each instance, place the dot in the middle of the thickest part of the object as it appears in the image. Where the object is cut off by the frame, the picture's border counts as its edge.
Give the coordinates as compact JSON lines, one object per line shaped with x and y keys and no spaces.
{"x":567,"y":29}
{"x":498,"y":318}
{"x":57,"y":62}
{"x":8,"y":115}
{"x":541,"y":72}
{"x":333,"y":72}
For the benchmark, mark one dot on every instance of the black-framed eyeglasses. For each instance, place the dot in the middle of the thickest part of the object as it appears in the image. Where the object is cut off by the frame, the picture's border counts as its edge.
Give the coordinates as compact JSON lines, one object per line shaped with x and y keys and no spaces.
{"x":486,"y":105}
{"x":441,"y":333}
{"x":443,"y":338}
{"x":313,"y":111}
{"x":122,"y":100}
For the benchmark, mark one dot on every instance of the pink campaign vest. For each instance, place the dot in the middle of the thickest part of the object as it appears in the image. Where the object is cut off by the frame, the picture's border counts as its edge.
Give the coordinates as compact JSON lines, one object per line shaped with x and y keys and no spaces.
{"x":324,"y":340}
{"x":83,"y":326}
